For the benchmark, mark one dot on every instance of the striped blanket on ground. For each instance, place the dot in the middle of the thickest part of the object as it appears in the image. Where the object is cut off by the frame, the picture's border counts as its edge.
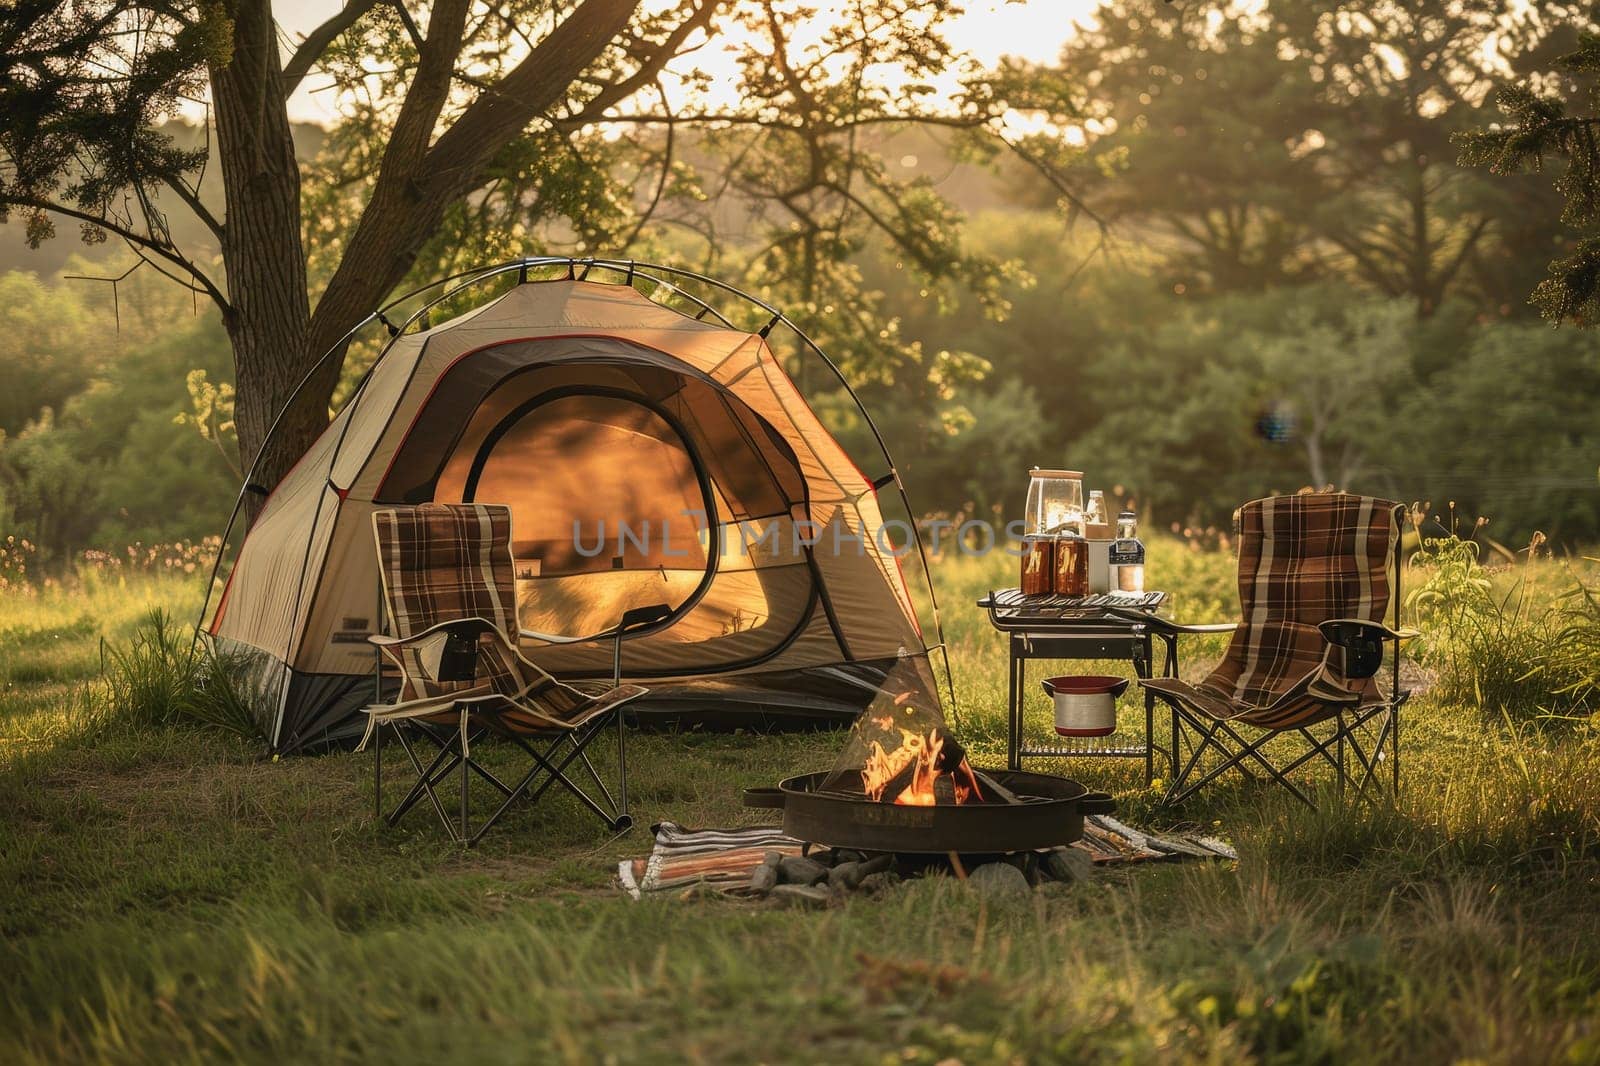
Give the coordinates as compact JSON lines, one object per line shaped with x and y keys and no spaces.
{"x":725,"y":858}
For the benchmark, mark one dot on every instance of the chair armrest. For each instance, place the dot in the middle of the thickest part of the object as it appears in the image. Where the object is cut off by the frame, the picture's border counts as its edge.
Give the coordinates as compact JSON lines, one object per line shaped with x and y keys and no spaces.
{"x":1169,"y":626}
{"x":551,"y":638}
{"x":465,"y":627}
{"x":445,"y":652}
{"x":636,"y":618}
{"x":1342,"y":631}
{"x":1362,"y":642}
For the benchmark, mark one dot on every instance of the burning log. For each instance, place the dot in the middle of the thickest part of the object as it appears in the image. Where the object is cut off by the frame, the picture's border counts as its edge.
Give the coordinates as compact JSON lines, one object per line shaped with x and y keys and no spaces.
{"x":991,"y":787}
{"x":896,"y":785}
{"x":923,"y":770}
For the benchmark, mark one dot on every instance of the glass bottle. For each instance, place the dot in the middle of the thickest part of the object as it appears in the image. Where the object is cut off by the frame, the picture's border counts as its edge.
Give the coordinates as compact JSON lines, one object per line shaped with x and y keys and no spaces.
{"x":1127,"y":555}
{"x":1096,"y":523}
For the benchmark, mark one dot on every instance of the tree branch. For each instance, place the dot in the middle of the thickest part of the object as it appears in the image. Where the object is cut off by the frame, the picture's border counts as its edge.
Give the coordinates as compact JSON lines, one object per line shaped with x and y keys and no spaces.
{"x":666,"y":174}
{"x":417,"y":183}
{"x":1468,"y":243}
{"x":530,"y":88}
{"x":192,"y":202}
{"x":317,"y":41}
{"x":166,"y":252}
{"x":1055,"y":181}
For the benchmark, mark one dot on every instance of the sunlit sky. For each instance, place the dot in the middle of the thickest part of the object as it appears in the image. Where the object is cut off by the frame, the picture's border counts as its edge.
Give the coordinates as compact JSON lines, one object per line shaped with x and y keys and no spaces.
{"x":989,"y":29}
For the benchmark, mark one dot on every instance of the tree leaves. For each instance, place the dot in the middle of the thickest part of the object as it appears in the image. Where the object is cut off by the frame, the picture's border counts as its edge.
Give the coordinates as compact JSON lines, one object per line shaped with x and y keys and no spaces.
{"x":1540,"y":125}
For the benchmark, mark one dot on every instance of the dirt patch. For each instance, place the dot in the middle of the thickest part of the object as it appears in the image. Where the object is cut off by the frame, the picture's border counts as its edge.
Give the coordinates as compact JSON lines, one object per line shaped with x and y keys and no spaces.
{"x":261,"y":794}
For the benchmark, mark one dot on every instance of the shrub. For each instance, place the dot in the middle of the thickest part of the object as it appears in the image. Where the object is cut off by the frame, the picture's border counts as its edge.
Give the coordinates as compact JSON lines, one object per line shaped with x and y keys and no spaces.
{"x":162,"y":678}
{"x":1512,"y":652}
{"x":1573,"y":663}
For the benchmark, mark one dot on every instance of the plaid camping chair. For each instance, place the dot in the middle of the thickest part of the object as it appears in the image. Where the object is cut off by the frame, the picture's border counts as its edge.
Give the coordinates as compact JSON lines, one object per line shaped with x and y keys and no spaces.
{"x":449,"y":591}
{"x":1317,"y":574}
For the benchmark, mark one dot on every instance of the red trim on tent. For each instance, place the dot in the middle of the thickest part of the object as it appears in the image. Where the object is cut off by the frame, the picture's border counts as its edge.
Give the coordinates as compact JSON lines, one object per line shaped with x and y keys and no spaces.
{"x":227,"y":587}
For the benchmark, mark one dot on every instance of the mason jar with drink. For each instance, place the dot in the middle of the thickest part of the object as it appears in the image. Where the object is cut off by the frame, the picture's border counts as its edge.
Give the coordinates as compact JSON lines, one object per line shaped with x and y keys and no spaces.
{"x":1068,"y":549}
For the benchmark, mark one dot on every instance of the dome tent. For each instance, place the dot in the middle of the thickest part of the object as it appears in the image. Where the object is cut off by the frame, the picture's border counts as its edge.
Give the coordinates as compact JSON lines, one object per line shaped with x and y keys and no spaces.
{"x":648,"y":455}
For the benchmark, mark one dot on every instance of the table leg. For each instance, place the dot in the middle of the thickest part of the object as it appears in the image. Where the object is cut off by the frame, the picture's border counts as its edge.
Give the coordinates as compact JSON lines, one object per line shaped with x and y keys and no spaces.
{"x":1172,"y":671}
{"x":1022,"y":702}
{"x":1141,"y":667}
{"x":1013,"y":758}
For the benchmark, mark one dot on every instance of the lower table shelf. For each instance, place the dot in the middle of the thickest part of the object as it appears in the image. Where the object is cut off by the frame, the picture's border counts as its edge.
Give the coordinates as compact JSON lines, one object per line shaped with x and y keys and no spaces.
{"x":1089,"y":748}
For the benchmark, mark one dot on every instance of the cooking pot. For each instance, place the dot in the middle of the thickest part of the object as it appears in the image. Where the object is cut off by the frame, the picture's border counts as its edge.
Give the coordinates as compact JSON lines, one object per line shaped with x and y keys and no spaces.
{"x":1086,"y":704}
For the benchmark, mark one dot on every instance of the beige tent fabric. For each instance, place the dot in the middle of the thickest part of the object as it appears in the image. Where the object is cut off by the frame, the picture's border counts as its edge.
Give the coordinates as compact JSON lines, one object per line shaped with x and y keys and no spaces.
{"x":581,"y":400}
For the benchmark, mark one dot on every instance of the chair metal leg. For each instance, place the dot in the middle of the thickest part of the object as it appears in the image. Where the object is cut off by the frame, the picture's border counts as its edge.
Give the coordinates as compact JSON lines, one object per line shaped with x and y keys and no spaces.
{"x":377,"y":770}
{"x":436,"y":771}
{"x":443,"y":764}
{"x":425,"y":783}
{"x":1251,"y":749}
{"x":554,"y":773}
{"x":1234,"y":758}
{"x":594,"y":775}
{"x":1176,"y":792}
{"x":1394,"y":741}
{"x":622,"y":768}
{"x":553,"y":764}
{"x":466,"y":779}
{"x":1369,"y":764}
{"x":1339,"y":766}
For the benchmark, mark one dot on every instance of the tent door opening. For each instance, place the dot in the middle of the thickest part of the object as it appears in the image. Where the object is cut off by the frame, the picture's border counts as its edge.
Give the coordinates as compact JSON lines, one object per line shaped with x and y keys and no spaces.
{"x":611,"y":506}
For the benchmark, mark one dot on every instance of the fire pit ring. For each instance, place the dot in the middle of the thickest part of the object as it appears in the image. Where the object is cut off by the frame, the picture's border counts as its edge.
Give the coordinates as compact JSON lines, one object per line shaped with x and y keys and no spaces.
{"x":1050,"y":815}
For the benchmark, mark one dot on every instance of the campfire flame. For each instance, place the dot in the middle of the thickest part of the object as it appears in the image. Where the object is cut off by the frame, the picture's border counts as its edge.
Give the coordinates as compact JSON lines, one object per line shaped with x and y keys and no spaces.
{"x":920,"y":752}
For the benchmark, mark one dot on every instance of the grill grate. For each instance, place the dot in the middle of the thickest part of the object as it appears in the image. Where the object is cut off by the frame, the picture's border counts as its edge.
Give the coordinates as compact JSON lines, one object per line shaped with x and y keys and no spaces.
{"x":1012,"y":604}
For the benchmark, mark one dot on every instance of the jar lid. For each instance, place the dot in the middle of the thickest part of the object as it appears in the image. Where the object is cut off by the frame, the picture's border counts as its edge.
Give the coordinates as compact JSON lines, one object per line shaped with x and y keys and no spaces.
{"x":1076,"y":475}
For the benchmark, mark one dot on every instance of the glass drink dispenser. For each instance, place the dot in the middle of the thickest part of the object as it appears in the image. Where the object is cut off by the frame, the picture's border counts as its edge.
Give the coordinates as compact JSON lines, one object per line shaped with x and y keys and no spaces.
{"x":1055,"y":502}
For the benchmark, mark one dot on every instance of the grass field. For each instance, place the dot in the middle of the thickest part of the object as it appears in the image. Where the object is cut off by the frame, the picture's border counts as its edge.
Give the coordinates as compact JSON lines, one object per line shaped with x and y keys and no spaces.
{"x":171,"y":896}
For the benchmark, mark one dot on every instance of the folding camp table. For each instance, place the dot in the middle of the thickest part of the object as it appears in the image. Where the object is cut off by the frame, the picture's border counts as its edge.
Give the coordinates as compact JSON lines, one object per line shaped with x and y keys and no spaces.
{"x":1077,"y":628}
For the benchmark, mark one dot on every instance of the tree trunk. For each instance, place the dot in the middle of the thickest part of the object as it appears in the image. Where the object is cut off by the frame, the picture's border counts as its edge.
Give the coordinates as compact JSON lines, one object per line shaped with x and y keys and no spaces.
{"x":269,"y":318}
{"x":276,"y":338}
{"x":1318,"y":467}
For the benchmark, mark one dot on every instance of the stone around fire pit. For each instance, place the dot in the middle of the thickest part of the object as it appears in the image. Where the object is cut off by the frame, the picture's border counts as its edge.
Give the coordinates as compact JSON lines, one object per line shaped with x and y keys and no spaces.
{"x":999,"y":881}
{"x":802,"y":896}
{"x":1067,"y":865}
{"x":847,"y":876}
{"x":829,"y":874}
{"x":799,"y":870}
{"x":765,"y":877}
